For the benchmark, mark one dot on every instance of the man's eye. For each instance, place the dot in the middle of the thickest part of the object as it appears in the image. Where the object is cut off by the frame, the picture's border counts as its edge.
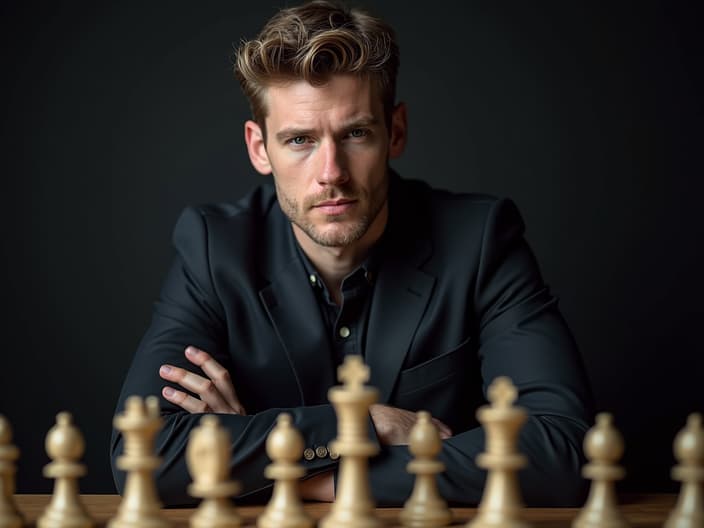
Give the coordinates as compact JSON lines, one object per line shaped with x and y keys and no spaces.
{"x":298,"y":140}
{"x":358,"y":132}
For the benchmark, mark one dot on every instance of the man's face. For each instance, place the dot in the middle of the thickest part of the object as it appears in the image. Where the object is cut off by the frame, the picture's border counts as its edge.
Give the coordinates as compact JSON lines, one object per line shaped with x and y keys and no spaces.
{"x":328,"y":149}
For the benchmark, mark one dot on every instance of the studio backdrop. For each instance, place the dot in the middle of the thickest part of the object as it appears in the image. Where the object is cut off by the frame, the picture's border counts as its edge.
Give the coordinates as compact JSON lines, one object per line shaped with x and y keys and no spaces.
{"x":119,"y":114}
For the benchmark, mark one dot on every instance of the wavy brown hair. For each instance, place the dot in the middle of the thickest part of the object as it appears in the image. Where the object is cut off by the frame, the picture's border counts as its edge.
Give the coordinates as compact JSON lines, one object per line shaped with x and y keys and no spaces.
{"x":312,"y":42}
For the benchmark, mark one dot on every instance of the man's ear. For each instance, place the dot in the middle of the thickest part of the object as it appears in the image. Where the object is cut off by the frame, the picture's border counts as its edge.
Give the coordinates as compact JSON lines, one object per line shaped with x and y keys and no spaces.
{"x":256,"y":147}
{"x":399,"y":131}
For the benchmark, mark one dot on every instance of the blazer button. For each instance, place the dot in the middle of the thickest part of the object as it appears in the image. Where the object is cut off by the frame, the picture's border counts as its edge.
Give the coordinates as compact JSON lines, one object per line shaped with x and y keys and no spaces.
{"x":321,"y":451}
{"x":308,"y":453}
{"x":334,"y":455}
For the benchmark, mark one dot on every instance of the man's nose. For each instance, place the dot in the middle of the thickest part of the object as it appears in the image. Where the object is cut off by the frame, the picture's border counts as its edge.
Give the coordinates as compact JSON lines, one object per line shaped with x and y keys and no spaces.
{"x":333,"y":170}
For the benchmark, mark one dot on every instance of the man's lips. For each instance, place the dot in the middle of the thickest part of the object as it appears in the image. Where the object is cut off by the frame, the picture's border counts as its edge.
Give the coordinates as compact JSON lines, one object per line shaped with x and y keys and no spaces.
{"x":339,"y":201}
{"x":335,"y":207}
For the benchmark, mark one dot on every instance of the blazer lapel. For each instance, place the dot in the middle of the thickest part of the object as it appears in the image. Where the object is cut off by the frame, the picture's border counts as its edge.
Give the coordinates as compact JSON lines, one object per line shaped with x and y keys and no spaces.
{"x":401,"y":292}
{"x":290,"y":302}
{"x":400,"y":297}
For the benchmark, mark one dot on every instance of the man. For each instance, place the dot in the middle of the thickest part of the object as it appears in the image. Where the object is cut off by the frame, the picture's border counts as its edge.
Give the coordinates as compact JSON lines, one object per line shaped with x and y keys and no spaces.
{"x":439,"y":292}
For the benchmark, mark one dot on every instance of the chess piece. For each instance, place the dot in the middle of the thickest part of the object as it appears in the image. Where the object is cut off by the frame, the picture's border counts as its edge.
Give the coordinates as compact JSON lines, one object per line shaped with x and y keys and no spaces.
{"x":140,"y":506}
{"x":501,"y":505}
{"x":603,"y":446}
{"x":65,"y":446}
{"x":689,"y":451}
{"x":353,"y":506}
{"x":10,"y":516}
{"x":208,"y":457}
{"x":425,"y":508}
{"x":284,"y":445}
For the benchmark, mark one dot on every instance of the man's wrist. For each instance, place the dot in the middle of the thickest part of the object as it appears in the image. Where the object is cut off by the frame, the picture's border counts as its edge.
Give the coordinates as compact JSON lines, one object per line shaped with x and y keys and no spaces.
{"x":320,"y":487}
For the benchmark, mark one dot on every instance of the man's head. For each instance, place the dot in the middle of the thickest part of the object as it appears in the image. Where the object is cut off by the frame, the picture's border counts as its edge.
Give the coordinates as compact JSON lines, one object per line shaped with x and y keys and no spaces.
{"x":321,"y":83}
{"x":312,"y":42}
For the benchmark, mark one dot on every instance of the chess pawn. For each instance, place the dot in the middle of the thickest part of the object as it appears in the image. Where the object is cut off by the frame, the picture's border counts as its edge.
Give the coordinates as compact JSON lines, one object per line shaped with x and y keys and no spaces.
{"x":10,"y":516}
{"x":284,"y":445}
{"x":208,"y":457}
{"x":501,"y":505}
{"x":353,"y":506}
{"x":425,"y":508}
{"x":65,"y":446}
{"x":603,"y":446}
{"x":140,"y":507}
{"x":689,"y":451}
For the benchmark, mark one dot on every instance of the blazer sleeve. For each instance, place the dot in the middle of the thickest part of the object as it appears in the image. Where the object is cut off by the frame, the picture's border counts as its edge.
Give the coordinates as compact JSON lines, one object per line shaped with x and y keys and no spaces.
{"x":188,"y":312}
{"x":522,"y":335}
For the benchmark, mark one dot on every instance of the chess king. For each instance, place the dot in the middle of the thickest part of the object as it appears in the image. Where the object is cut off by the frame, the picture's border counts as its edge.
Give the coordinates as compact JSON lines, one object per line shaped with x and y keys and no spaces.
{"x":337,"y":254}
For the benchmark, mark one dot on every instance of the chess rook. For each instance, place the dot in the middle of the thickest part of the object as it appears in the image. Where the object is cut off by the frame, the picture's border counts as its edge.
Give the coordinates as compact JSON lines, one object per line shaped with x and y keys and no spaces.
{"x":425,"y":508}
{"x":208,"y":456}
{"x":140,"y":507}
{"x":10,"y":516}
{"x":65,"y":446}
{"x":603,"y":446}
{"x":501,"y":505}
{"x":689,"y":451}
{"x":353,"y":506}
{"x":284,"y":445}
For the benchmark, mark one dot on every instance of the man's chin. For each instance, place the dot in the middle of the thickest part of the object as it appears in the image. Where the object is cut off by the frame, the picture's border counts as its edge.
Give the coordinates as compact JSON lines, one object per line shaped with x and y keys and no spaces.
{"x":336,"y":236}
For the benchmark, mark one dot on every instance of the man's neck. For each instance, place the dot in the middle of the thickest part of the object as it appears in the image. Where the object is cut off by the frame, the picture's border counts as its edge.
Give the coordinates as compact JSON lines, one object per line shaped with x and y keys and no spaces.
{"x":335,"y":263}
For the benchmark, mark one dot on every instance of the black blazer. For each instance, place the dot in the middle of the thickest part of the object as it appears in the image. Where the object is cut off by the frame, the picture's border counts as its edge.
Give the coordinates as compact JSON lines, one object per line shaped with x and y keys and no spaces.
{"x":458,"y":301}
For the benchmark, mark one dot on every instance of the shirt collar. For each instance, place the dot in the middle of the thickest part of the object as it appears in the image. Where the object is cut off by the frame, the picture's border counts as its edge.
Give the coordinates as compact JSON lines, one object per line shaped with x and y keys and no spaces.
{"x":367,"y":268}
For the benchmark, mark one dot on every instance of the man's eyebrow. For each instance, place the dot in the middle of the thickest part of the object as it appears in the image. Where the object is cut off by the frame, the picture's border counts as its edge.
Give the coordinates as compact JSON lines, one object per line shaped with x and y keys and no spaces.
{"x":355,"y":122}
{"x":360,"y":121}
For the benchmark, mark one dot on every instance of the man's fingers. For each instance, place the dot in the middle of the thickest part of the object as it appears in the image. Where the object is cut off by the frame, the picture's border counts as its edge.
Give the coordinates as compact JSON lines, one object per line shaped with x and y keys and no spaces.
{"x":218,"y":374}
{"x":199,"y":385}
{"x":184,"y":400}
{"x":444,"y":430}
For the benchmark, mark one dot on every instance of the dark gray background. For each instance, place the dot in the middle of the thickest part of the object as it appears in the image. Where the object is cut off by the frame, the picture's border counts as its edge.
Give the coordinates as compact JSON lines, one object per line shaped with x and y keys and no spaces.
{"x":117,"y":115}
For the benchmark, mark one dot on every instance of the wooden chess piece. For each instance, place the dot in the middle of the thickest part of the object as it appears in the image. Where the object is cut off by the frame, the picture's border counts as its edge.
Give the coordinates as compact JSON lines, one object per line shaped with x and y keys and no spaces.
{"x":208,"y":456}
{"x":689,"y":451}
{"x":603,"y":446}
{"x":353,"y":506}
{"x":140,"y":506}
{"x":425,"y":508}
{"x":65,"y":446}
{"x":501,"y":505}
{"x":10,"y":516}
{"x":284,"y":445}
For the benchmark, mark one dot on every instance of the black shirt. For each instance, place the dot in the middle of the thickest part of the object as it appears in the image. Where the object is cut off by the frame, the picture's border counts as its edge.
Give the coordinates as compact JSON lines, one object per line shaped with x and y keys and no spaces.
{"x":347,"y":323}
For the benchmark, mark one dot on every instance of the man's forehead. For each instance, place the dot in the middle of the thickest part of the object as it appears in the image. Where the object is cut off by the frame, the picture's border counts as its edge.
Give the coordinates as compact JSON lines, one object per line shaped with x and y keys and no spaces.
{"x":341,"y":99}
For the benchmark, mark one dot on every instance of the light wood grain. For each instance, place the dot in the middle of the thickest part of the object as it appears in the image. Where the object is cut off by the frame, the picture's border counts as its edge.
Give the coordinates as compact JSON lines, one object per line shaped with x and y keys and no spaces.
{"x":642,"y":511}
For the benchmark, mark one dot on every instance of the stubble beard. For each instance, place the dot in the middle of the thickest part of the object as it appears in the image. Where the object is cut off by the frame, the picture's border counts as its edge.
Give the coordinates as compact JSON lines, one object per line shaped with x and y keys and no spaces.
{"x":338,"y":237}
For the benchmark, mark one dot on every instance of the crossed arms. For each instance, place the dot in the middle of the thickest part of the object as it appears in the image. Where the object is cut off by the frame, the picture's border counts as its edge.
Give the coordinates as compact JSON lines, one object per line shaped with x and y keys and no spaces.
{"x":214,"y":393}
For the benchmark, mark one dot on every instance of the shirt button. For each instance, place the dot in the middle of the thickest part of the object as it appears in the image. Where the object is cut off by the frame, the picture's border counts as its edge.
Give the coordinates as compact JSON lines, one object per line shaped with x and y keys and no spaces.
{"x":313,"y":279}
{"x":321,"y":451}
{"x":344,"y":332}
{"x":308,"y":453}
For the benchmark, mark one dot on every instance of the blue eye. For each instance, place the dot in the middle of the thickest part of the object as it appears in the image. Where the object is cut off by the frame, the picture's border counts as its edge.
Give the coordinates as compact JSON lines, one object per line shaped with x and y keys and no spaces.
{"x":358,"y":133}
{"x":298,"y":140}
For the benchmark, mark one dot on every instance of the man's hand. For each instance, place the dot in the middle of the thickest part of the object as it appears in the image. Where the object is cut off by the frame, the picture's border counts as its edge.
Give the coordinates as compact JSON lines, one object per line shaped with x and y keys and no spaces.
{"x":318,"y":488}
{"x":216,"y":391}
{"x":393,"y":425}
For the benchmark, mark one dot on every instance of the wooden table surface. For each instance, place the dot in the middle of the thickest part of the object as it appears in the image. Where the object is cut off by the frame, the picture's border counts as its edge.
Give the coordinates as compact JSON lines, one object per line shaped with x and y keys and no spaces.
{"x":643,"y":511}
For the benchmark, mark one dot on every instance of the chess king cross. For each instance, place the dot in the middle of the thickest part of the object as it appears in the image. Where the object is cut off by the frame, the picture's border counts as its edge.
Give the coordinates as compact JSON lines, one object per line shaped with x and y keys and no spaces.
{"x":209,"y":453}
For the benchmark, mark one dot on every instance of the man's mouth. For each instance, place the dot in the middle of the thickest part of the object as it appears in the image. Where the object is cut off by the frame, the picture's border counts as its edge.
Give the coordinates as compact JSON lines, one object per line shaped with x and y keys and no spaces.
{"x":335,"y":207}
